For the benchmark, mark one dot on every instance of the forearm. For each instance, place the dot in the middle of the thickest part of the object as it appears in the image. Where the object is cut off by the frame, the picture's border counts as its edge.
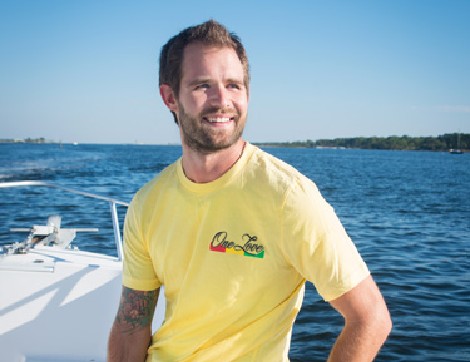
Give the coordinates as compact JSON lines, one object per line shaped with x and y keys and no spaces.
{"x":131,"y":332}
{"x":360,"y":342}
{"x":128,"y":346}
{"x":367,"y":323}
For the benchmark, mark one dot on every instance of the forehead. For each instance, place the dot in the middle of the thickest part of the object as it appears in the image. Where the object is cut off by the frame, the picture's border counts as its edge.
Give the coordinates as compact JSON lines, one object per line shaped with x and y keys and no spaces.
{"x":210,"y":61}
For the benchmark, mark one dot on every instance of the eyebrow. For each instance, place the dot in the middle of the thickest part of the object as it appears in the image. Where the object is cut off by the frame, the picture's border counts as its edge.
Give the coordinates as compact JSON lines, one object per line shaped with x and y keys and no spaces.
{"x":237,"y":81}
{"x":197,"y":81}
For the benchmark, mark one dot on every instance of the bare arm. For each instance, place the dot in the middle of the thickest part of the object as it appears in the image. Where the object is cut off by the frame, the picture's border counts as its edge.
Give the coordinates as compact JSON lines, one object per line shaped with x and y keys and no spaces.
{"x":367,"y":323}
{"x":131,"y":332}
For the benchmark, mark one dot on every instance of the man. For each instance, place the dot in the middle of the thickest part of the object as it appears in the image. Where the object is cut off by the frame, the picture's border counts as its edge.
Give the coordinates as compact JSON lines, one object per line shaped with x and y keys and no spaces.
{"x":232,"y":233}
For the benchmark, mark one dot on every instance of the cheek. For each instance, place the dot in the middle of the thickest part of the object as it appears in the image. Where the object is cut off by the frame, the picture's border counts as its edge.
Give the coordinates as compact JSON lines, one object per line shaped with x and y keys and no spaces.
{"x":192,"y":105}
{"x":242,"y":104}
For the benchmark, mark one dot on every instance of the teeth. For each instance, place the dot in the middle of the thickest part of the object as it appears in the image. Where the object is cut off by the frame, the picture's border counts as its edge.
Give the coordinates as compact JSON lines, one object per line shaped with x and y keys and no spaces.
{"x":218,"y":120}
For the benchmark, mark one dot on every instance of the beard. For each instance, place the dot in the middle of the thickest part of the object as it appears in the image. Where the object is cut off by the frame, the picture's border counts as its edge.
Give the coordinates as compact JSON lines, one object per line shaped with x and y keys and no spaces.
{"x":203,"y":138}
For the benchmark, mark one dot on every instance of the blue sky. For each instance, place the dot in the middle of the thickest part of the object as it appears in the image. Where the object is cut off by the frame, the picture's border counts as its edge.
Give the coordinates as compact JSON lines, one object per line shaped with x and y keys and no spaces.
{"x":86,"y":71}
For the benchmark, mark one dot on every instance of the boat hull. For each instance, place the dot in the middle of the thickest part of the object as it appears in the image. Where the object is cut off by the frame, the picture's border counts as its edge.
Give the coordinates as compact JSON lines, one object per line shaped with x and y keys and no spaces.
{"x":58,"y":305}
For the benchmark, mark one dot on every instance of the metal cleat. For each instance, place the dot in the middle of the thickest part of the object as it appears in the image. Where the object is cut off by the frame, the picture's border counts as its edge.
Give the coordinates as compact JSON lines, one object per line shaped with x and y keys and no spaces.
{"x":48,"y":235}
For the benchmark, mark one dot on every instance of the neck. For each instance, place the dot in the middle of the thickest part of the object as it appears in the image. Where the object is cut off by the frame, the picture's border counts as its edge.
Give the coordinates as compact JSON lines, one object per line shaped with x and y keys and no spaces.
{"x":202,"y":168}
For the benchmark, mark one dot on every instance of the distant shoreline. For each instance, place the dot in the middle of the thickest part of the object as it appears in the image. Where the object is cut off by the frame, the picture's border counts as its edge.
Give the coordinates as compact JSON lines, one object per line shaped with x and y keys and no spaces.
{"x":444,"y":142}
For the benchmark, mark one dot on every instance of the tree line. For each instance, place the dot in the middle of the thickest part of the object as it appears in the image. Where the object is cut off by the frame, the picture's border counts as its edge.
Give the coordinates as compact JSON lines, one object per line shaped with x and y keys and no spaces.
{"x":25,"y":140}
{"x":439,"y":143}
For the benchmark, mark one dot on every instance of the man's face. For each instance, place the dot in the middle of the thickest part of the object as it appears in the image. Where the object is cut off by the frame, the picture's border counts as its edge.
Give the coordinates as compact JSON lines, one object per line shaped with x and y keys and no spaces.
{"x":213,"y":99}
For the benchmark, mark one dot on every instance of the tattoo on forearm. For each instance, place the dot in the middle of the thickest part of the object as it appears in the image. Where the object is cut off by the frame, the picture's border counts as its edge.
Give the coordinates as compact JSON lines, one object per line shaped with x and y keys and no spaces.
{"x":136,"y":309}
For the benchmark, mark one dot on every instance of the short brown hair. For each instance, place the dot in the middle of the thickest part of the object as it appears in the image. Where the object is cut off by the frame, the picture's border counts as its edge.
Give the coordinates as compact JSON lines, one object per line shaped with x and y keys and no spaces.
{"x":209,"y":33}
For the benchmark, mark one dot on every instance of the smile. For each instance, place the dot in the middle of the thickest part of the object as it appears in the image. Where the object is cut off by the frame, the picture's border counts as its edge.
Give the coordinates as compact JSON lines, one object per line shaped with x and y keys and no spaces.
{"x":218,"y":120}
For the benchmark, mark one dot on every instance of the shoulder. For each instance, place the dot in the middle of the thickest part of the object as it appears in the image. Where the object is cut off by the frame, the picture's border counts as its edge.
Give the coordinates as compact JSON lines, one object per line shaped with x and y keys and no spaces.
{"x":277,"y":174}
{"x":153,"y":188}
{"x":298,"y":196}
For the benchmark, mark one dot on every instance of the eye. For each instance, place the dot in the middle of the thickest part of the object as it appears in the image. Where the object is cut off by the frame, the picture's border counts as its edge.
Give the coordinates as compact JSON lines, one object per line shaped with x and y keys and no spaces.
{"x":234,"y":86}
{"x":202,"y":86}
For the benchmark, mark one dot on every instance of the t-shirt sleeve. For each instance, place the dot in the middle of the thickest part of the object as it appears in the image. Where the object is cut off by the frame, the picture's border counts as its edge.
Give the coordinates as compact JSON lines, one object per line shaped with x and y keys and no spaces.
{"x":317,"y":245}
{"x":138,"y":272}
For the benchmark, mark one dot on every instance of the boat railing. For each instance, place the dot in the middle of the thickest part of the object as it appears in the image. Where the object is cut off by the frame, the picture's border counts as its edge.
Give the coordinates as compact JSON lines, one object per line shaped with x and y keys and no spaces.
{"x":113,"y":203}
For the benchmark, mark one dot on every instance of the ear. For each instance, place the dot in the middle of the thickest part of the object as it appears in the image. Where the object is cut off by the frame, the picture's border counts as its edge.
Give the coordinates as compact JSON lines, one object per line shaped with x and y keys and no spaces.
{"x":168,"y":97}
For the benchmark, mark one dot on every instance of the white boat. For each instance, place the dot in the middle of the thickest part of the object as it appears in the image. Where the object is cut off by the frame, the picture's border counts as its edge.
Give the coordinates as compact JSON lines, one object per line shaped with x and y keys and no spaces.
{"x":456,"y":151}
{"x":57,"y":303}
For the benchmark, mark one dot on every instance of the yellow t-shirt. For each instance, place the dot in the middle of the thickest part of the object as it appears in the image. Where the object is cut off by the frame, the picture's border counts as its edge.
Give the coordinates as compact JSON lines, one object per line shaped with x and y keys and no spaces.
{"x":233,"y":256}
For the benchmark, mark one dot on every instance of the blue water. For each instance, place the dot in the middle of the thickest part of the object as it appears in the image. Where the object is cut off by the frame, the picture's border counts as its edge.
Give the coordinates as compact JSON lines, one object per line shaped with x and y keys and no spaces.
{"x":408,"y":212}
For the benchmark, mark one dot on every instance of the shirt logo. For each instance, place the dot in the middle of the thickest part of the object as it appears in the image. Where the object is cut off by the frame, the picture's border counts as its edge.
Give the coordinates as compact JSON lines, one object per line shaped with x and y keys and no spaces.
{"x":248,"y":246}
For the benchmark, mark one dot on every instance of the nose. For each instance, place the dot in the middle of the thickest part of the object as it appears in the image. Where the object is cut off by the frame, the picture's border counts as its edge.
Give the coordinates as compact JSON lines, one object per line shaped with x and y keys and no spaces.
{"x":220,"y":96}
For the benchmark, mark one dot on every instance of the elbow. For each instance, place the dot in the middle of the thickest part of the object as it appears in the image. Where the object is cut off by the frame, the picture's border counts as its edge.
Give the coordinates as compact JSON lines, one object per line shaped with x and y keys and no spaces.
{"x":386,"y":325}
{"x":389,"y":324}
{"x":376,"y":324}
{"x":381,"y":323}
